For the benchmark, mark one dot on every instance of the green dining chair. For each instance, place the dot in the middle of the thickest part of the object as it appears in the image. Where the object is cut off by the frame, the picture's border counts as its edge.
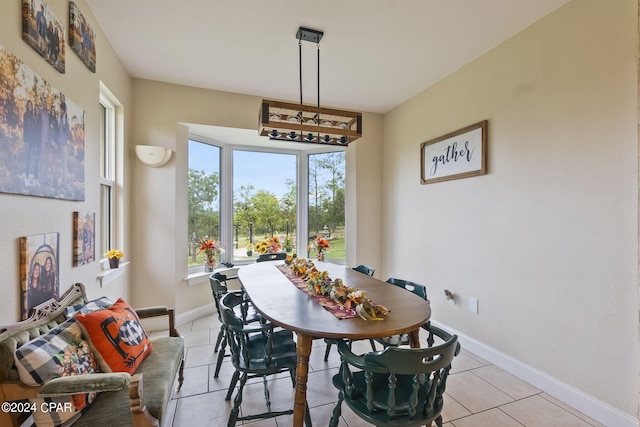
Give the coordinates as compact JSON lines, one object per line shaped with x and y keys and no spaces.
{"x":369,"y":271}
{"x":421,"y":291}
{"x":279,"y":256}
{"x":257,"y":350}
{"x":395,"y":386}
{"x":219,"y":289}
{"x":364,"y":269}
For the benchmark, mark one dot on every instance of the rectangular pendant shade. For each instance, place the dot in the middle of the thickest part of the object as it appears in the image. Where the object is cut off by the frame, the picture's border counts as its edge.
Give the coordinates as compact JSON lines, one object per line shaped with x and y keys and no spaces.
{"x":308,"y":124}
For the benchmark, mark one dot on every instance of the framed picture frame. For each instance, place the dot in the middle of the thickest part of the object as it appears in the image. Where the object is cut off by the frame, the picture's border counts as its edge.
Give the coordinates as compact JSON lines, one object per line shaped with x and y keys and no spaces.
{"x":84,"y":238}
{"x":39,"y":270}
{"x":82,"y":38}
{"x":458,"y":154}
{"x":44,"y":32}
{"x":34,"y":160}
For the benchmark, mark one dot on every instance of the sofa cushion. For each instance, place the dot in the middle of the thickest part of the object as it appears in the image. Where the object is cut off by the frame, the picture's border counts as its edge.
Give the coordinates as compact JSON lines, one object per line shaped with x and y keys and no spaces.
{"x":159,"y":371}
{"x":90,"y":307}
{"x":116,"y":337}
{"x":60,"y":352}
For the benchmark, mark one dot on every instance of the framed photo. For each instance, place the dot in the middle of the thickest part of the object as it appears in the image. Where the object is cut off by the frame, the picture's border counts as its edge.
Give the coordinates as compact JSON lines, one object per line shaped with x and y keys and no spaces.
{"x":39,"y":270}
{"x":43,"y":32}
{"x":458,"y":154}
{"x":41,"y":135}
{"x":82,"y":38}
{"x":84,"y":237}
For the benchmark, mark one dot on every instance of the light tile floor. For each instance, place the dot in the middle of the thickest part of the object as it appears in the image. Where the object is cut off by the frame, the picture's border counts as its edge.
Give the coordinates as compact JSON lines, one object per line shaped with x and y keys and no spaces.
{"x":478,"y":394}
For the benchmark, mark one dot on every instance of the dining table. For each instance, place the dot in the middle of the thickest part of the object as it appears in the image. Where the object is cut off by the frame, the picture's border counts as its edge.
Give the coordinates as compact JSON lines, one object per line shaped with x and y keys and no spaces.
{"x":279,"y":301}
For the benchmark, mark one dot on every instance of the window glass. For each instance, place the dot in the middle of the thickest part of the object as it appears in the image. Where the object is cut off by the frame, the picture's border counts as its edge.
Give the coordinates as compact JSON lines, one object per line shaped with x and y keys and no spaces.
{"x":203,"y":198}
{"x":326,"y":205}
{"x":264,"y":201}
{"x":107,"y":184}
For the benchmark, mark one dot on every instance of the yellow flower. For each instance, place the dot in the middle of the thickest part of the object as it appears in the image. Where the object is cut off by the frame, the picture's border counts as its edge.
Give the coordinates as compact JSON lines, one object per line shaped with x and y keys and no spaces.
{"x":114,"y":253}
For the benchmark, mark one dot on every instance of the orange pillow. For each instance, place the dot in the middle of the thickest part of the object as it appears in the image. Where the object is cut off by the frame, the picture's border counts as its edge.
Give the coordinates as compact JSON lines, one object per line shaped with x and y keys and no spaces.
{"x":116,"y":337}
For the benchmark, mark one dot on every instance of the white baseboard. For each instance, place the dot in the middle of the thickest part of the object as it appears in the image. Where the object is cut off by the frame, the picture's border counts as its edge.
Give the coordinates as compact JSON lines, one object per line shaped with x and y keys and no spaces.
{"x":195,"y":314}
{"x":588,"y":405}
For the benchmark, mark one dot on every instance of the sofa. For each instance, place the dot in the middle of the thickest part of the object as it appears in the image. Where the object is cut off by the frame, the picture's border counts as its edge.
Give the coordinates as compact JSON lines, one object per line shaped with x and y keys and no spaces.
{"x":137,"y":398}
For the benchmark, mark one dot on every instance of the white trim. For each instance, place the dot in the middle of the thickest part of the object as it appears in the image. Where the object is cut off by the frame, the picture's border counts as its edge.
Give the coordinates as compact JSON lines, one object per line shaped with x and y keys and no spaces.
{"x":195,"y":314}
{"x":577,"y":399}
{"x":108,"y":275}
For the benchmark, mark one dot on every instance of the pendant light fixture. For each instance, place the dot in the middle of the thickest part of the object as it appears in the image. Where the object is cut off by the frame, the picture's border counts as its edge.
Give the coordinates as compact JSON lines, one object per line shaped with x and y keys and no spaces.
{"x":287,"y":121}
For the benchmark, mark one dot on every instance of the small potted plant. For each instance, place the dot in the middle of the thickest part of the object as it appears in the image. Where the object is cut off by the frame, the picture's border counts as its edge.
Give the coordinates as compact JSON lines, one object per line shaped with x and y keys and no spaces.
{"x":114,"y":256}
{"x":288,"y":244}
{"x":249,"y":248}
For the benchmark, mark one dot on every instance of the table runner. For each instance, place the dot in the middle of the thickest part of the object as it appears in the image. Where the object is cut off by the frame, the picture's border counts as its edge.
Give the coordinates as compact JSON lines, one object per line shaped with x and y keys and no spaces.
{"x":325,"y":301}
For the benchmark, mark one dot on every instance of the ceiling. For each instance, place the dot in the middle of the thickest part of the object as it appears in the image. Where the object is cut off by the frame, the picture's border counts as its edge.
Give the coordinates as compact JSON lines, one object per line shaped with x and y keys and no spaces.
{"x":375,"y":54}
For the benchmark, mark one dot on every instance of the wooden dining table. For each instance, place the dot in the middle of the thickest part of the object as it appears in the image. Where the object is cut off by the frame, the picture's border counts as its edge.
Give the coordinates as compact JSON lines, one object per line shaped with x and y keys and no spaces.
{"x":277,"y":299}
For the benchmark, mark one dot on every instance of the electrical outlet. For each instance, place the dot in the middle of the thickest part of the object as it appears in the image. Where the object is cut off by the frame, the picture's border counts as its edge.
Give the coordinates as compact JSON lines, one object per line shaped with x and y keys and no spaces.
{"x":473,"y":305}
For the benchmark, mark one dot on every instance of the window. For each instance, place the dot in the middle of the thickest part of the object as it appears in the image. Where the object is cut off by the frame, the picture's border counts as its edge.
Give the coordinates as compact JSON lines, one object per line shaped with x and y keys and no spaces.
{"x":107,"y":171}
{"x":326,"y":216}
{"x":243,"y":194}
{"x":264,"y":200}
{"x":203,"y":198}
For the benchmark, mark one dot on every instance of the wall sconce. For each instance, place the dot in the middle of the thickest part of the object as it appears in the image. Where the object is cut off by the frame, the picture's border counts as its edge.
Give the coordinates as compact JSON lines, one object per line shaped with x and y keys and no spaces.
{"x":153,"y":156}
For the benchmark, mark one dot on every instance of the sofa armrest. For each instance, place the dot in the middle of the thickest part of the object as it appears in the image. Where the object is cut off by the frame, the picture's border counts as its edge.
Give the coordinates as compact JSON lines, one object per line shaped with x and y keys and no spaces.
{"x":157,"y":311}
{"x":90,"y":383}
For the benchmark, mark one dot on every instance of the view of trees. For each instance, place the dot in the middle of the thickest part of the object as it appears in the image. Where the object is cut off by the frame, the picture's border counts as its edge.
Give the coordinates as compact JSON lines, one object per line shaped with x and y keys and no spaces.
{"x":259,"y":213}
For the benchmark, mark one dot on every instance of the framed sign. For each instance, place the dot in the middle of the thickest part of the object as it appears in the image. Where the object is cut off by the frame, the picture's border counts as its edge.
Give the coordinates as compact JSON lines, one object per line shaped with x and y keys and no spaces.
{"x":458,"y":154}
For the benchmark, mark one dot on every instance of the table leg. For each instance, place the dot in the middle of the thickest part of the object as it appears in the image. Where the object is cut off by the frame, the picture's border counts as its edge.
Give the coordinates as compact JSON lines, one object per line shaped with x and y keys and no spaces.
{"x":302,"y":371}
{"x":414,"y":338}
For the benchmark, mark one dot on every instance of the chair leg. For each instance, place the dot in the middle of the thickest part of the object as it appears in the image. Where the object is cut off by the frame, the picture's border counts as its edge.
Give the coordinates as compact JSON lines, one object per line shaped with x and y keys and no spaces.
{"x":337,"y":411}
{"x":373,"y":345}
{"x":326,"y":352}
{"x":219,"y":340}
{"x":219,"y":362}
{"x":181,"y":374}
{"x":307,"y":416}
{"x":233,"y":416}
{"x":266,"y":393}
{"x":232,"y":384}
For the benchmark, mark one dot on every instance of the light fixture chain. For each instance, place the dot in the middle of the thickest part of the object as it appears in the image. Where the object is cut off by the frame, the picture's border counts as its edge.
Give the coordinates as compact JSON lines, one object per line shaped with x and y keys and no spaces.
{"x":300,"y":67}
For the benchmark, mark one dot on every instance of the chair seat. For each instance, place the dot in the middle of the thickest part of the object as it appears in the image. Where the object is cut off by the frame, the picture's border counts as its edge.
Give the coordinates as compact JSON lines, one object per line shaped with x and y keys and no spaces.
{"x":284,"y":354}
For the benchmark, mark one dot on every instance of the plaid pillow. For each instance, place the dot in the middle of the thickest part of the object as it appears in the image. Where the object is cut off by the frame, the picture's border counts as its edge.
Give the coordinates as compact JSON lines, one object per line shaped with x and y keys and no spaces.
{"x":90,"y":307}
{"x":60,"y":352}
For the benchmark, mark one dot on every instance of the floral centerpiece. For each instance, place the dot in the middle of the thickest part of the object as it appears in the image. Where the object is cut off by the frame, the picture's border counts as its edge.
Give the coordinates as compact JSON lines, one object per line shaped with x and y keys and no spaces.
{"x":114,"y":256}
{"x":271,"y":245}
{"x":211,"y":250}
{"x":320,"y":245}
{"x":320,"y":283}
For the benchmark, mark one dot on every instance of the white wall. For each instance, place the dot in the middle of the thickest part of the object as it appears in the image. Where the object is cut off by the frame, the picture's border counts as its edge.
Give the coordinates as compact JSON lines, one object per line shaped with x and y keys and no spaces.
{"x":25,"y":215}
{"x":548,"y":239}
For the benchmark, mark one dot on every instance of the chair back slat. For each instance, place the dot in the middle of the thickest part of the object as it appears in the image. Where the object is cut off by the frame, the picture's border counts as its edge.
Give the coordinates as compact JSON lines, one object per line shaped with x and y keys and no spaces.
{"x":365,"y":269}
{"x":397,"y":386}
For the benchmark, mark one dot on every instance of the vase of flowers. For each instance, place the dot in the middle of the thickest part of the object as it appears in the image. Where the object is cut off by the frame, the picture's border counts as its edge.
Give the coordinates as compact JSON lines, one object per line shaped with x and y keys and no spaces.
{"x":249,"y":249}
{"x":320,"y":245}
{"x":271,"y":245}
{"x":288,"y":244}
{"x":114,"y":256}
{"x":211,"y":250}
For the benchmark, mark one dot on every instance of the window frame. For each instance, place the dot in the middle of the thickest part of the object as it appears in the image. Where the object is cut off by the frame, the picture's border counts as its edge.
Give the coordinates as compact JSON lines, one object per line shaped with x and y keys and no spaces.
{"x":226,"y":188}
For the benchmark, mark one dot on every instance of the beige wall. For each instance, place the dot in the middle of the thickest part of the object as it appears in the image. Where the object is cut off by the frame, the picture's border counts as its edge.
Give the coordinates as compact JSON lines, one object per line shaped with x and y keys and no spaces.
{"x":548,"y":239}
{"x":23,"y":215}
{"x":160,"y":209}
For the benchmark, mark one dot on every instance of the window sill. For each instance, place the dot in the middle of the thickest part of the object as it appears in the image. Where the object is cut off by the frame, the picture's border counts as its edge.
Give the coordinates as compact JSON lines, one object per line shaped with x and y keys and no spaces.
{"x":203,"y":277}
{"x":106,"y":276}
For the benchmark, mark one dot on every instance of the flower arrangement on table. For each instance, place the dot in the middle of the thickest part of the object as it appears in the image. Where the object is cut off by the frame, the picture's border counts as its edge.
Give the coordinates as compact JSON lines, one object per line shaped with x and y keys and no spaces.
{"x":271,"y":245}
{"x":319,"y":282}
{"x":211,"y":250}
{"x":320,"y":245}
{"x":114,"y":256}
